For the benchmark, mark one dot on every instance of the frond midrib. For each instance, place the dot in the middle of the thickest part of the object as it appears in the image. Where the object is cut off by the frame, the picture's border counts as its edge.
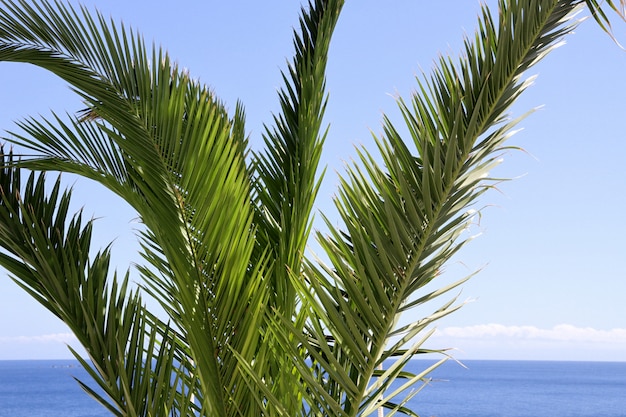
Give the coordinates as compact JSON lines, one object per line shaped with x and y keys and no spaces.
{"x":448,"y":190}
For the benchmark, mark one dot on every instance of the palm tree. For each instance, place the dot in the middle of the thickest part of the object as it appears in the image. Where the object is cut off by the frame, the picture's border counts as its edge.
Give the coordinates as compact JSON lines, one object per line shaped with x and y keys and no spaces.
{"x":252,"y":326}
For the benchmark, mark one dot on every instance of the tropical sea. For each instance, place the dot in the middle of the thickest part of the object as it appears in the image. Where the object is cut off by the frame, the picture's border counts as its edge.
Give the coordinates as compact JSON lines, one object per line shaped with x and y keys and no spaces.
{"x":483,"y":388}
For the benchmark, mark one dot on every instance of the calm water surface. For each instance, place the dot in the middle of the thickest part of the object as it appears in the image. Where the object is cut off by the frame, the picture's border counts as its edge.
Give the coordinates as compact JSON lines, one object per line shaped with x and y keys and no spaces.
{"x":483,"y":389}
{"x":525,"y":389}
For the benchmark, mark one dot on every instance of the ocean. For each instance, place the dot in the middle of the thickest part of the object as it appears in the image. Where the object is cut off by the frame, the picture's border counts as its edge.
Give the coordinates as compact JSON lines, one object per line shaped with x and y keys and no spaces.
{"x":483,"y":388}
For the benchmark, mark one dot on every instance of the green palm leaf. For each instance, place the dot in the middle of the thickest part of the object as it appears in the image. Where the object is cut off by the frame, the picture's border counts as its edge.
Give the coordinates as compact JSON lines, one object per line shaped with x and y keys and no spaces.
{"x":403,"y":221}
{"x":600,"y":15}
{"x":48,"y":255}
{"x":163,"y":143}
{"x":252,"y":326}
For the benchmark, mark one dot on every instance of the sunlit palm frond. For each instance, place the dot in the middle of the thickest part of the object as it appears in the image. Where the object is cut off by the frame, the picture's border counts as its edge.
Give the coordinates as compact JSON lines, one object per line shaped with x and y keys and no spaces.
{"x":253,"y":327}
{"x":405,"y":219}
{"x":168,"y":147}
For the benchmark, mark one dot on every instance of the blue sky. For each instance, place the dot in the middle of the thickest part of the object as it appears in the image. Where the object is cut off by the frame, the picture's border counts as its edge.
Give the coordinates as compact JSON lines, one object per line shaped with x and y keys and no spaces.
{"x":552,"y":283}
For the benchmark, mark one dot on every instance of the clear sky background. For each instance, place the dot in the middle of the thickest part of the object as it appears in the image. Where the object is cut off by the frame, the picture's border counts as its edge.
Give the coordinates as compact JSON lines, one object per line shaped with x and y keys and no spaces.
{"x":553,"y":278}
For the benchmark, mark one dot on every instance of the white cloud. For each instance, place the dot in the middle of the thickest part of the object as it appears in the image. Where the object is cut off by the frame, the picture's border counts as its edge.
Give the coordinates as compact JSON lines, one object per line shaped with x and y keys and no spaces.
{"x":559,"y":333}
{"x":45,"y":346}
{"x":561,"y":342}
{"x":484,"y":341}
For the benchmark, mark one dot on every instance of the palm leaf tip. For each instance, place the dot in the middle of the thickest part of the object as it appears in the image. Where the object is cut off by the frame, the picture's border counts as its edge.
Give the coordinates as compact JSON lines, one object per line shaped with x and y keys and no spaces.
{"x":601,"y":15}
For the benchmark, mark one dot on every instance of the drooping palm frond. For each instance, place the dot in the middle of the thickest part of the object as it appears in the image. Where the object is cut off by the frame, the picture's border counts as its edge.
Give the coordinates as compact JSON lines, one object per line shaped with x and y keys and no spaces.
{"x":48,"y":254}
{"x":168,"y":147}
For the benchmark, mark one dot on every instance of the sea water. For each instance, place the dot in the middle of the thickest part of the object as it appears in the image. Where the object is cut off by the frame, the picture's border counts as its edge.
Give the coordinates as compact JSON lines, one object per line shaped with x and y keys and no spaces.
{"x":481,"y":388}
{"x":524,"y":389}
{"x":45,"y":388}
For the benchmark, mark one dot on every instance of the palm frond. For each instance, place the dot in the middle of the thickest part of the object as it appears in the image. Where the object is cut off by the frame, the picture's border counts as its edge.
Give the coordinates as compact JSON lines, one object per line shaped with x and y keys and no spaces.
{"x":600,"y":16}
{"x":168,"y":147}
{"x":287,"y":177}
{"x":47,"y":252}
{"x":404,"y":220}
{"x":253,"y":327}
